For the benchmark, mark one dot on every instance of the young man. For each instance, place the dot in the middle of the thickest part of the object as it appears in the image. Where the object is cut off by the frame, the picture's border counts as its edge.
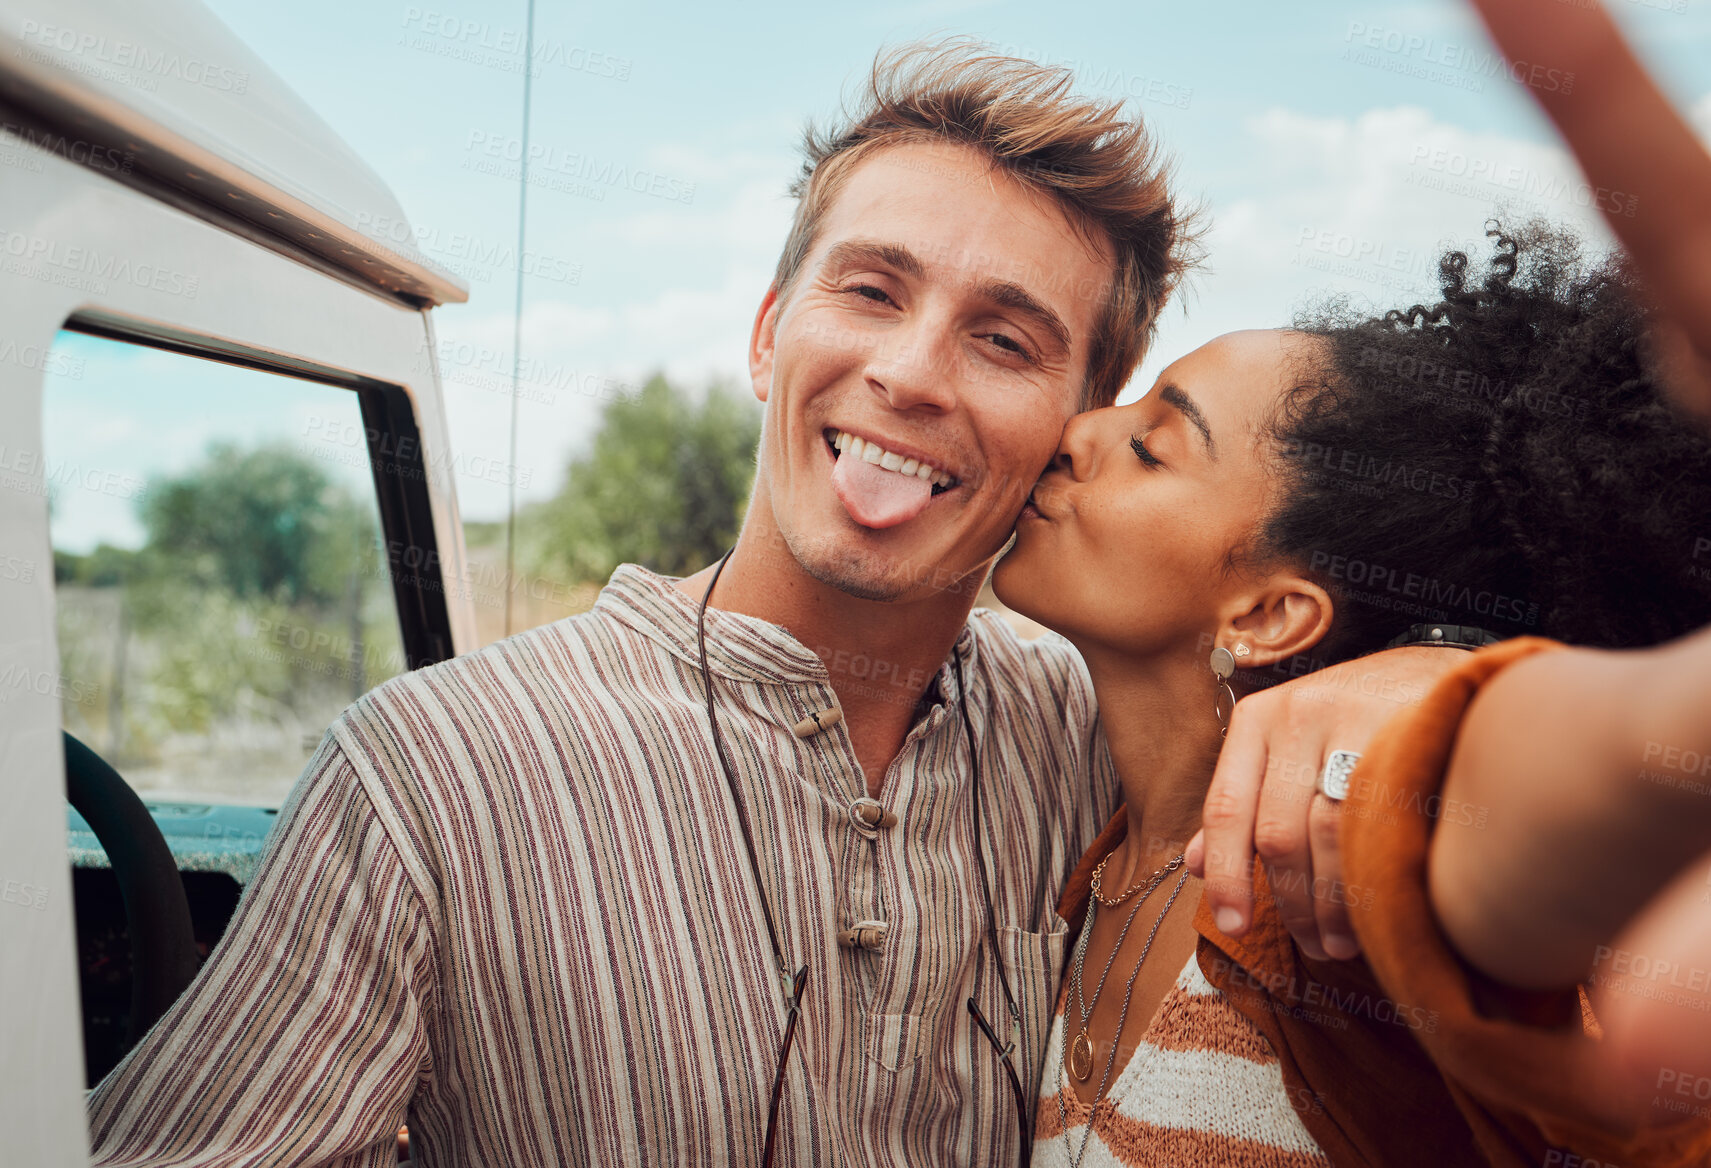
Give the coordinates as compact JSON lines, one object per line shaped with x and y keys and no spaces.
{"x":549,"y":901}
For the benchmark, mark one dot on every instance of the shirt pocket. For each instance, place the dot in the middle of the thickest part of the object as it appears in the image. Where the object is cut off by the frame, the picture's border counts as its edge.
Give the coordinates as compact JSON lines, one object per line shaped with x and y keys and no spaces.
{"x":1034,"y":954}
{"x":894,"y":1041}
{"x":1033,"y":966}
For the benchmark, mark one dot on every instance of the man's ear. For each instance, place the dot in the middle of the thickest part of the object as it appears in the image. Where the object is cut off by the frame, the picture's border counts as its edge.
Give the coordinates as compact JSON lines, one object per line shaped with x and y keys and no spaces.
{"x":762,"y":338}
{"x":1291,"y":616}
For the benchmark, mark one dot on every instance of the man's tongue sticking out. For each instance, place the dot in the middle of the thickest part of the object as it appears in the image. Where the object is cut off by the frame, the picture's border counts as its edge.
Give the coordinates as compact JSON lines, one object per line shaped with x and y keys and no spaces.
{"x":876,"y":497}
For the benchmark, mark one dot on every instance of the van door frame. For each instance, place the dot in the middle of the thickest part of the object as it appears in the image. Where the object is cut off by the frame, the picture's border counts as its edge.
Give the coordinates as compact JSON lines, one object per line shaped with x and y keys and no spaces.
{"x":79,"y":249}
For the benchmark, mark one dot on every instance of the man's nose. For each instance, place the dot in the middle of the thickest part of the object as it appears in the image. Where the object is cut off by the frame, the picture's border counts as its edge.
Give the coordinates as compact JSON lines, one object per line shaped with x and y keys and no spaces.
{"x":918,"y":370}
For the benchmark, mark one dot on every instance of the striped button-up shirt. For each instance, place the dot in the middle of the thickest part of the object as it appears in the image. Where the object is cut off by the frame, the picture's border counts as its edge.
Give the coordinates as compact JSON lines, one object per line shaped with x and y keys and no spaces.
{"x":508,"y":903}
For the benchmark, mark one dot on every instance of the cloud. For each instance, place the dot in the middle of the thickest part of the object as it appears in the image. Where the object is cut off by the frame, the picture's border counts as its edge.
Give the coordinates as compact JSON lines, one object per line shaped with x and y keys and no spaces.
{"x":1360,"y":208}
{"x":667,"y":286}
{"x":755,"y":221}
{"x":578,"y":357}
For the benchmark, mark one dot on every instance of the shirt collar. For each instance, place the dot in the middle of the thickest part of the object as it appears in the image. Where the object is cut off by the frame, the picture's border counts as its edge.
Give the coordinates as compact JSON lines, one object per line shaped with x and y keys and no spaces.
{"x":739,"y":647}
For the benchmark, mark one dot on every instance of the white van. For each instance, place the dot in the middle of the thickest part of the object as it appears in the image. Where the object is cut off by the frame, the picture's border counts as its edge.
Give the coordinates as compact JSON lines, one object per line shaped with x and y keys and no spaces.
{"x":182,"y":249}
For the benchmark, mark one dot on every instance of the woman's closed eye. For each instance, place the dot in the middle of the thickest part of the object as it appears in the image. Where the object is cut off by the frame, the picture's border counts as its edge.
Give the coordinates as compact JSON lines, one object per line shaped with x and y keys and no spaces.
{"x":1142,"y":453}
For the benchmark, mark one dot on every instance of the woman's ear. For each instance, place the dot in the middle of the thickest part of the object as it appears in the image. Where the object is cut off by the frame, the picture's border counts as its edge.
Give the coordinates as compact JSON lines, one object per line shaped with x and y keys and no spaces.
{"x":1288,"y":619}
{"x":762,"y":338}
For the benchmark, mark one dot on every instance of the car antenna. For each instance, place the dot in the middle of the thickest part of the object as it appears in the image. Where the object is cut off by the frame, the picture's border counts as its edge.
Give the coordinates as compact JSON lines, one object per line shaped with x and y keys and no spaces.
{"x":517,"y":322}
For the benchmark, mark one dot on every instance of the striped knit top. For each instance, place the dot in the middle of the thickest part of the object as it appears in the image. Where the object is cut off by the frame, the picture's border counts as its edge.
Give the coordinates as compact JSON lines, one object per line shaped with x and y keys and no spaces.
{"x":1202,"y":1088}
{"x":508,"y":903}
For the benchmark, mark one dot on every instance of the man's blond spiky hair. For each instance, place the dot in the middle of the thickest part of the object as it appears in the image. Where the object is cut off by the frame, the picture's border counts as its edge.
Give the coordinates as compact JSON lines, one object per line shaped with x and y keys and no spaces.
{"x":1098,"y":162}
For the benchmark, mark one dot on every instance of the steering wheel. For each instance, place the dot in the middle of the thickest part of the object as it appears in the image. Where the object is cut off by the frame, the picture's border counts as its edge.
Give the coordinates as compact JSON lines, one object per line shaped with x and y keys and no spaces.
{"x":157,"y":914}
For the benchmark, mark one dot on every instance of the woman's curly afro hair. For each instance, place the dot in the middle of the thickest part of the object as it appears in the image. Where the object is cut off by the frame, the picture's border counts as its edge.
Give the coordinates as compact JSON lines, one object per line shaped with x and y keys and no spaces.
{"x":1501,"y":458}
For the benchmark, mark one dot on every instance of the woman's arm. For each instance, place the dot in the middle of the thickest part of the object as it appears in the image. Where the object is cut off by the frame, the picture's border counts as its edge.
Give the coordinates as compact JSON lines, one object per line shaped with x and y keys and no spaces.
{"x":1594,"y":764}
{"x":1499,"y":782}
{"x":1589,"y":856}
{"x":1592,"y":770}
{"x":1629,"y":140}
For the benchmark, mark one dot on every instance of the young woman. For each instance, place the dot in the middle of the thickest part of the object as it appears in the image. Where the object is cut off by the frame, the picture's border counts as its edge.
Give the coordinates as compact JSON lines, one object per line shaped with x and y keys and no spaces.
{"x":1285,"y":500}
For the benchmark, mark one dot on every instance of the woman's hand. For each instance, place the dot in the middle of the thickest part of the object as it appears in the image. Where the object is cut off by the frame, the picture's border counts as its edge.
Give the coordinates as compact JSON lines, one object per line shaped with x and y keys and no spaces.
{"x":1628,"y":138}
{"x":1264,"y":796}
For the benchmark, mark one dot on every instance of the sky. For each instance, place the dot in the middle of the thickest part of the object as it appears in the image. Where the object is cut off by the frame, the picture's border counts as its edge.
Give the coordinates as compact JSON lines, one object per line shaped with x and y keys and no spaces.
{"x":1335,"y":147}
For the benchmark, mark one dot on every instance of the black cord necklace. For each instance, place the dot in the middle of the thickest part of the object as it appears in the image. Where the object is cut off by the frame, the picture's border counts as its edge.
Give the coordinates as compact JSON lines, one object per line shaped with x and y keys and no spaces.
{"x":794,"y":984}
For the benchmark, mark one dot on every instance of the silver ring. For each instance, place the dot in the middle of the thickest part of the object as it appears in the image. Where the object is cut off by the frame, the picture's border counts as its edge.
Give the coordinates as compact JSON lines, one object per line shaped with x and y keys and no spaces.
{"x":1334,"y":779}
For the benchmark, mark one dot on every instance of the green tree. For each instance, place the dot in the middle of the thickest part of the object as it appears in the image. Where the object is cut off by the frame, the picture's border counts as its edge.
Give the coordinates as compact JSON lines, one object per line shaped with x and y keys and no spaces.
{"x":664,"y":485}
{"x":105,"y":567}
{"x":266,"y":523}
{"x":260,"y":591}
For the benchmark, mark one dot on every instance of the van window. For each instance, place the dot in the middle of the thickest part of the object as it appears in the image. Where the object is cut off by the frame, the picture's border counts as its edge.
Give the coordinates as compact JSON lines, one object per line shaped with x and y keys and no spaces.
{"x":221,"y":587}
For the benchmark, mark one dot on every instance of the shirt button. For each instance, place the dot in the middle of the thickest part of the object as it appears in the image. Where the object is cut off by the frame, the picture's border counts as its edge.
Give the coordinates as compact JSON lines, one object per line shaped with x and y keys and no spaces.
{"x":869,"y":935}
{"x":870,"y":815}
{"x":818,"y":721}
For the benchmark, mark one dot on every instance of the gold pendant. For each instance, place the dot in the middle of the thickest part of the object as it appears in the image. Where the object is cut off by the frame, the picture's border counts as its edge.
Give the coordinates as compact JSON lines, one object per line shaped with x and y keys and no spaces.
{"x":1081,"y":1057}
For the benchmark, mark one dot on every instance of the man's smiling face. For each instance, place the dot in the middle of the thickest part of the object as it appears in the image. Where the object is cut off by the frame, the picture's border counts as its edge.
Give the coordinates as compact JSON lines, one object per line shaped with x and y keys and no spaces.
{"x":940,"y":325}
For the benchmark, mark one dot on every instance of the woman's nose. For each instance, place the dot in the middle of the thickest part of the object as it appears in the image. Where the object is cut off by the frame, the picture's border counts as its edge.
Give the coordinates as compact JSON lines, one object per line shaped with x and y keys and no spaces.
{"x":1075,"y":451}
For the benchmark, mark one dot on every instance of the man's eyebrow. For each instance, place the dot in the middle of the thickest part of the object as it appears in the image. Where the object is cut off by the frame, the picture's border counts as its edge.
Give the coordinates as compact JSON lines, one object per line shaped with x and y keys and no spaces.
{"x":857,"y":252}
{"x":1173,"y":396}
{"x":1017,"y":298}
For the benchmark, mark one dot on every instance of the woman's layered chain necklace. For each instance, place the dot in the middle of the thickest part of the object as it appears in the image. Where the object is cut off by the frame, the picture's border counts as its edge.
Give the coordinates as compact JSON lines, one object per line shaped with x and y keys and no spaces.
{"x":1078,"y":1052}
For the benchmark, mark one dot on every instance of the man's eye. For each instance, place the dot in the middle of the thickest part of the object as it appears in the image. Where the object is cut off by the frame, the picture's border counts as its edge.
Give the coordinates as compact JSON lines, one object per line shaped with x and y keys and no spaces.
{"x":1009,"y":345}
{"x":1142,"y":453}
{"x":869,"y":292}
